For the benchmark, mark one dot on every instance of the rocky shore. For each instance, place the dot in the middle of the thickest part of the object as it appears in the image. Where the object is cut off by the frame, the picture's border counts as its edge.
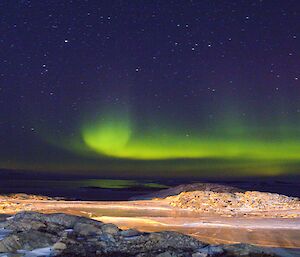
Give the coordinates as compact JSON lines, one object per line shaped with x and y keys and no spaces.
{"x":34,"y":234}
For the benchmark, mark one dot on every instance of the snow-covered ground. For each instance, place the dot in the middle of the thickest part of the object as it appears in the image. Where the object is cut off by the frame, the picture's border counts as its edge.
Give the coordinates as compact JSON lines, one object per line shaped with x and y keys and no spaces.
{"x":158,"y":215}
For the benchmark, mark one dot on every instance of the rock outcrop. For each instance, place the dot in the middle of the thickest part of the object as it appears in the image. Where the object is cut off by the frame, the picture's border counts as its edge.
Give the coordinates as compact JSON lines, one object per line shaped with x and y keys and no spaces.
{"x":35,"y":234}
{"x":12,"y":203}
{"x":233,"y":202}
{"x":226,"y":200}
{"x":172,"y":191}
{"x":21,"y":196}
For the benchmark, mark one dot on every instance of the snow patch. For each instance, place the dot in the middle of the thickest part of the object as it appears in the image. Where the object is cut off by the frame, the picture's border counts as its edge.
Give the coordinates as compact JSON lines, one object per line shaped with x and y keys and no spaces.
{"x":45,"y":252}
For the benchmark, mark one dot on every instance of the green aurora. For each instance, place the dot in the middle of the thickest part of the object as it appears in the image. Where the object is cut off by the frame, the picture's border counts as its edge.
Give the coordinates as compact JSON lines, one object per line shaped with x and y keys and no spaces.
{"x":117,"y":136}
{"x":115,"y":141}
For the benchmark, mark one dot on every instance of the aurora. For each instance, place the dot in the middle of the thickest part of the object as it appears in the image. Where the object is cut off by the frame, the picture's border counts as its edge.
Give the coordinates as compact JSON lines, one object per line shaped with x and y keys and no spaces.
{"x":109,"y":136}
{"x":116,"y":136}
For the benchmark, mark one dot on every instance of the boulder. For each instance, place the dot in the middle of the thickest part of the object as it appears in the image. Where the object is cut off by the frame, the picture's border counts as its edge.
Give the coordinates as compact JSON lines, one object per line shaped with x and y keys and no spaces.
{"x":24,"y":225}
{"x":166,"y":254}
{"x":10,"y":244}
{"x":130,"y":233}
{"x":243,"y":250}
{"x":211,"y":250}
{"x":175,"y":240}
{"x":155,"y":243}
{"x":86,"y":229}
{"x":28,"y":240}
{"x":59,"y":246}
{"x":110,"y":229}
{"x":62,"y":219}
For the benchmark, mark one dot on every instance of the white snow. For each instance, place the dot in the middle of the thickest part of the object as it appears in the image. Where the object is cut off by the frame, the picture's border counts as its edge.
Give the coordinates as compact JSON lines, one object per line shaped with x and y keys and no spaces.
{"x":45,"y":252}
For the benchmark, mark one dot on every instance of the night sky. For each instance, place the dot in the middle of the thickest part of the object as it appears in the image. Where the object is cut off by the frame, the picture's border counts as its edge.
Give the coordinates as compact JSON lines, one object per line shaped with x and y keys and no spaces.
{"x":170,"y":88}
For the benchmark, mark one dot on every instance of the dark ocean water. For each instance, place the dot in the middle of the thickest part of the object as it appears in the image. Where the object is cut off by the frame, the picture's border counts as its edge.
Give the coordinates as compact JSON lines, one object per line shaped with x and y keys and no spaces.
{"x":97,"y":188}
